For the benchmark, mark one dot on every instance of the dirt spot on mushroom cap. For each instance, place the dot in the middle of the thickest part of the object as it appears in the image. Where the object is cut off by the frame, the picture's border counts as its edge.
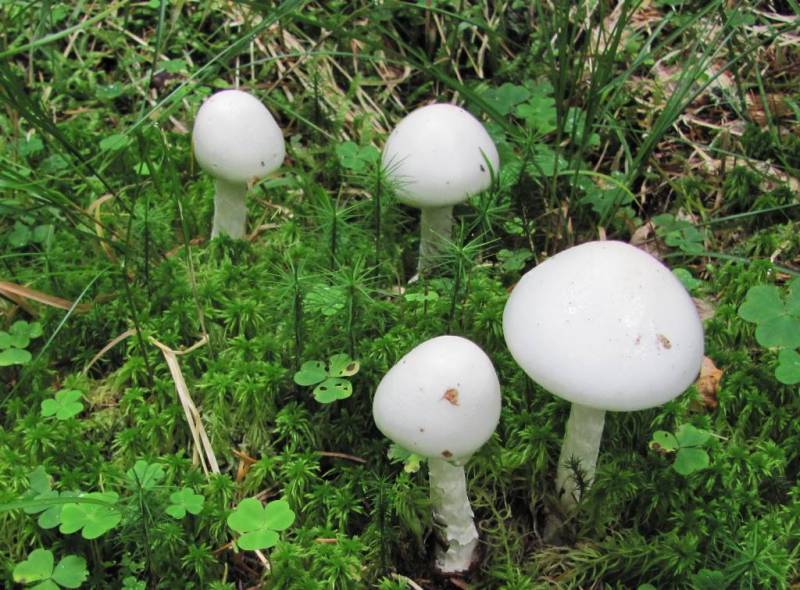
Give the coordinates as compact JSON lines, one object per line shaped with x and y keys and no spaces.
{"x":446,"y":454}
{"x":663,"y":341}
{"x":451,"y":395}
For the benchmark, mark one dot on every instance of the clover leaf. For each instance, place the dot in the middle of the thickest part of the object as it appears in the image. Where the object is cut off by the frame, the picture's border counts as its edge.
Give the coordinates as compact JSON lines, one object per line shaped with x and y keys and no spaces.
{"x":131,"y":583}
{"x":355,"y":157}
{"x":183,"y":501}
{"x":506,"y":97}
{"x":330,"y":382}
{"x":39,"y":489}
{"x":788,"y":369}
{"x":777,"y":320}
{"x":22,"y":333}
{"x":685,"y":443}
{"x":66,"y":404}
{"x":38,"y":567}
{"x":259,"y":525}
{"x":14,"y":356}
{"x":92,"y":519}
{"x":70,"y":572}
{"x":145,"y":475}
{"x":310,"y":373}
{"x":333,"y":389}
{"x":341,"y":365}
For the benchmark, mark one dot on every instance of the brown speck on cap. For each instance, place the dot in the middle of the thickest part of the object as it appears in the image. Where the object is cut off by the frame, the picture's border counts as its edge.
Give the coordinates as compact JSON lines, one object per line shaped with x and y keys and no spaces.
{"x":446,"y":454}
{"x":664,"y":341}
{"x":451,"y":395}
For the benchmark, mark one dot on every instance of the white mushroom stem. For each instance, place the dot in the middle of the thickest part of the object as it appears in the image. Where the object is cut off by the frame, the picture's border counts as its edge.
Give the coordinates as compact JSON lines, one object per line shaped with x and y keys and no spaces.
{"x":581,"y":444}
{"x":230,"y":209}
{"x":452,"y":511}
{"x":436,"y":226}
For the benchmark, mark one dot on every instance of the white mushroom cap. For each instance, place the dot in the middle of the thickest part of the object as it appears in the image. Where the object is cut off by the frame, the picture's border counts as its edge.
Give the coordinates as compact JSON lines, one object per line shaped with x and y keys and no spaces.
{"x":441,"y":400}
{"x":438,"y":156}
{"x":605,"y":325}
{"x":236,"y":139}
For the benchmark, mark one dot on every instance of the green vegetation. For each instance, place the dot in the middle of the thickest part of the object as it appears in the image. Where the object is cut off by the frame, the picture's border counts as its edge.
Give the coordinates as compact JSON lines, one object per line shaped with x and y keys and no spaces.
{"x":163,"y":418}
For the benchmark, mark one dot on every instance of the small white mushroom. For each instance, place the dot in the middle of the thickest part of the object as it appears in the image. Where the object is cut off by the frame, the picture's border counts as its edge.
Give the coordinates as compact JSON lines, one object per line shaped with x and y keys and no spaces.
{"x":237,"y":141}
{"x":438,"y":156}
{"x":442,"y":401}
{"x":605,"y":326}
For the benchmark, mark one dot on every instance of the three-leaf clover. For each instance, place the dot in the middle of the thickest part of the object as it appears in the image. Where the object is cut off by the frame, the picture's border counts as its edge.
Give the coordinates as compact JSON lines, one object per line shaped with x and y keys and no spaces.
{"x":777,"y":321}
{"x":14,"y":342}
{"x":92,"y":519}
{"x":64,"y":406}
{"x":513,"y":261}
{"x":259,"y":525}
{"x":680,"y":233}
{"x":183,"y":501}
{"x":39,"y":567}
{"x":145,"y":475}
{"x":331,"y":384}
{"x":686,"y":443}
{"x":355,"y":157}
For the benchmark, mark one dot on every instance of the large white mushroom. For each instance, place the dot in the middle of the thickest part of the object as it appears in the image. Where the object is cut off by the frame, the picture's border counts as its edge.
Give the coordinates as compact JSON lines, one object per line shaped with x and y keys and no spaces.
{"x":237,"y":141}
{"x":438,"y":156}
{"x":442,"y":401}
{"x":605,"y":326}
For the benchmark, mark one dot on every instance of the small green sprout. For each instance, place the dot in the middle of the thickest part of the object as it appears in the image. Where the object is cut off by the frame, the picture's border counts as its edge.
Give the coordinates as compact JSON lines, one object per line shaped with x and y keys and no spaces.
{"x":331,"y":384}
{"x":40,"y":567}
{"x":64,"y":406}
{"x":411,"y":461}
{"x":259,"y":525}
{"x":686,"y":443}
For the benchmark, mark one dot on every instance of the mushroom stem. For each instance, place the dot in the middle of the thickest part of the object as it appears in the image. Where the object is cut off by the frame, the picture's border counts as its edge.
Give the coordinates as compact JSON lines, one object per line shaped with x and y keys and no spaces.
{"x":581,"y":444}
{"x":452,"y":511}
{"x":436,"y":227}
{"x":230,"y":209}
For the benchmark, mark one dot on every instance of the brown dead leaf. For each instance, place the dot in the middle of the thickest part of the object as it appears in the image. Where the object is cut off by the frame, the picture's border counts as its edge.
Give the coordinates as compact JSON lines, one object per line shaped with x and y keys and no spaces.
{"x":644,"y":238}
{"x":704,"y":308}
{"x":708,"y":383}
{"x":12,"y":290}
{"x":245,"y":463}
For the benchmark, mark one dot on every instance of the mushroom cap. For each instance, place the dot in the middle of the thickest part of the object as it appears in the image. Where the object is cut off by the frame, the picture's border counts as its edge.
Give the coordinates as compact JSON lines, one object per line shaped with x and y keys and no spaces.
{"x":441,"y":400}
{"x":605,"y":325}
{"x":437,"y":156}
{"x":236,"y":139}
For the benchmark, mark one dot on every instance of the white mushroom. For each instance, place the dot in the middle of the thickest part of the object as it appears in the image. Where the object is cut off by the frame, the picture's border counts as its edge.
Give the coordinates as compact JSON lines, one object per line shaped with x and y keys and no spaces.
{"x":605,"y":326}
{"x":442,"y":401}
{"x":438,"y":156}
{"x":235,"y":140}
